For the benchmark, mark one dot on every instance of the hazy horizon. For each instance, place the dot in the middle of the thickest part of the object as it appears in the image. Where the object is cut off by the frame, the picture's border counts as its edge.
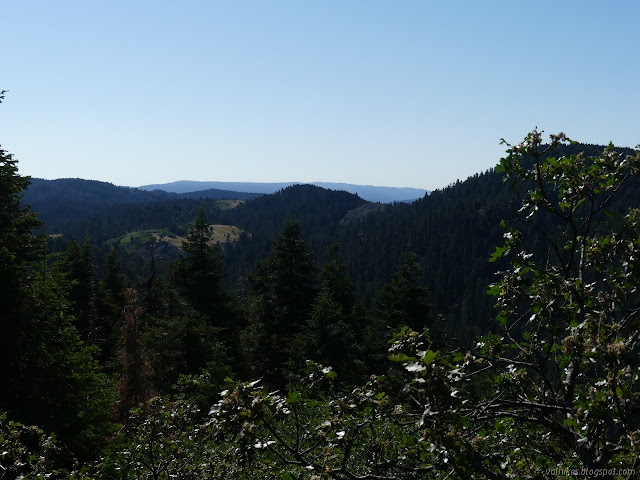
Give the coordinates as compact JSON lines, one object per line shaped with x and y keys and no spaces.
{"x":229,"y":181}
{"x":403,"y":94}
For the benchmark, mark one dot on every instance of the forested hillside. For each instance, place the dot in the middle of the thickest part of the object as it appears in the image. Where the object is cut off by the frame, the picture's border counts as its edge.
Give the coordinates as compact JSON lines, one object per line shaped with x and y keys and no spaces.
{"x":453,"y":231}
{"x":309,"y":347}
{"x":78,"y":207}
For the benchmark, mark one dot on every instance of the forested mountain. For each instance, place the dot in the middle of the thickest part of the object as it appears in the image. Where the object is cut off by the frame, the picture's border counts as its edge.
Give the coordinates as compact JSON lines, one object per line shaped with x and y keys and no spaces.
{"x":447,"y":230}
{"x":368,"y":192}
{"x":262,"y":217}
{"x":331,"y":337}
{"x":68,"y":200}
{"x":453,"y":231}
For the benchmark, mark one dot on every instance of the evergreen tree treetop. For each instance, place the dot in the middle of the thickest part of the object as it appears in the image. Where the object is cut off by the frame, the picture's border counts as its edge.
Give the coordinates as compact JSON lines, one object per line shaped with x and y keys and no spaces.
{"x":286,"y":279}
{"x":282,"y":291}
{"x":402,"y":301}
{"x":199,"y":272}
{"x":18,"y":243}
{"x":49,"y":376}
{"x":198,"y":242}
{"x":334,"y":280}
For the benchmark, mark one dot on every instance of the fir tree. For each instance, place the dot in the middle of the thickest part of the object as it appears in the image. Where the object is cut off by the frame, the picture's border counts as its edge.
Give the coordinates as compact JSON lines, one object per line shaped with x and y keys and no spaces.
{"x":19,"y":246}
{"x":78,"y":267}
{"x":198,"y":273}
{"x":401,"y":303}
{"x":51,"y":379}
{"x":330,"y":336}
{"x":283,"y":291}
{"x":111,"y":303}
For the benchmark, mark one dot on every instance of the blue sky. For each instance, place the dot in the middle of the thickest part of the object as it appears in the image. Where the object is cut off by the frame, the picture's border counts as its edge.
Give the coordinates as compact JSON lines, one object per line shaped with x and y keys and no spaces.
{"x":399,"y":93}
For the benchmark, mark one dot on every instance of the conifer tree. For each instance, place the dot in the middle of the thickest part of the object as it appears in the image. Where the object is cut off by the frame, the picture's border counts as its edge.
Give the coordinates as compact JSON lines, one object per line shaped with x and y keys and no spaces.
{"x":400,"y":303}
{"x":134,"y":387}
{"x":283,"y":291}
{"x":207,"y":328}
{"x":199,"y":273}
{"x":49,"y":378}
{"x":18,"y":247}
{"x":331,"y":335}
{"x":111,"y":303}
{"x":78,"y":267}
{"x":334,"y":279}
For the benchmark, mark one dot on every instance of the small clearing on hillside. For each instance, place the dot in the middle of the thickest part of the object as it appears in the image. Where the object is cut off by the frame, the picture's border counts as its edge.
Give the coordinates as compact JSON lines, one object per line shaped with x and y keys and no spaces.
{"x":138,"y":238}
{"x":219,"y":233}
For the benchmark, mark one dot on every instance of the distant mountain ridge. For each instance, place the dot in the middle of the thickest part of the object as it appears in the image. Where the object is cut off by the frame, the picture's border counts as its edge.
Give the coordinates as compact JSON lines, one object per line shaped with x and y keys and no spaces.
{"x":370,"y":193}
{"x":107,"y":193}
{"x":77,"y":198}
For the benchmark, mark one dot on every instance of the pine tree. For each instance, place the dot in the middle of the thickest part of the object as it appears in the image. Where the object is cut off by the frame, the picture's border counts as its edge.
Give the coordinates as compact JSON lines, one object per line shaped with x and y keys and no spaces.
{"x":78,"y":267}
{"x":331,"y":335}
{"x":19,"y":246}
{"x":334,"y":279}
{"x":283,"y":291}
{"x":49,"y":378}
{"x":199,"y":276}
{"x":111,"y":303}
{"x":401,"y":303}
{"x":207,"y":329}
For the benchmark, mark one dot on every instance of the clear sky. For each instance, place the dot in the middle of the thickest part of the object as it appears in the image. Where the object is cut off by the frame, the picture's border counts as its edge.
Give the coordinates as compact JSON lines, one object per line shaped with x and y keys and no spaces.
{"x":395,"y":92}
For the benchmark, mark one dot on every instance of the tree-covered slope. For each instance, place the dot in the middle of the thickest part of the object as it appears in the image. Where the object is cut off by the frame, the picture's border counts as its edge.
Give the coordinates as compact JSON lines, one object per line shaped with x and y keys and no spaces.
{"x":68,"y":200}
{"x":453,"y":230}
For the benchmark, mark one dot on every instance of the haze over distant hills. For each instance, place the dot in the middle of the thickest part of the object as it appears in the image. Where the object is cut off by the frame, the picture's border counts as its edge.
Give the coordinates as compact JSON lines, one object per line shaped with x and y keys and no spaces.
{"x":367,"y":192}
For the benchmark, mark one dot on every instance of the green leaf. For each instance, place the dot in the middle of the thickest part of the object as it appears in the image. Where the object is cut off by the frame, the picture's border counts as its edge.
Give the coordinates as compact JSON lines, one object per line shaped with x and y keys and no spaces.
{"x":494,"y":290}
{"x":402,"y":357}
{"x":293,"y":397}
{"x":428,"y":357}
{"x":457,"y":356}
{"x":497,"y":254}
{"x":331,"y":375}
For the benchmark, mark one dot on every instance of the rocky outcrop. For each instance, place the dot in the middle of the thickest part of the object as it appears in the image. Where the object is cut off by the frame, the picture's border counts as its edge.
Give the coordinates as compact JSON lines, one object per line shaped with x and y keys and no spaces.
{"x":358,"y":213}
